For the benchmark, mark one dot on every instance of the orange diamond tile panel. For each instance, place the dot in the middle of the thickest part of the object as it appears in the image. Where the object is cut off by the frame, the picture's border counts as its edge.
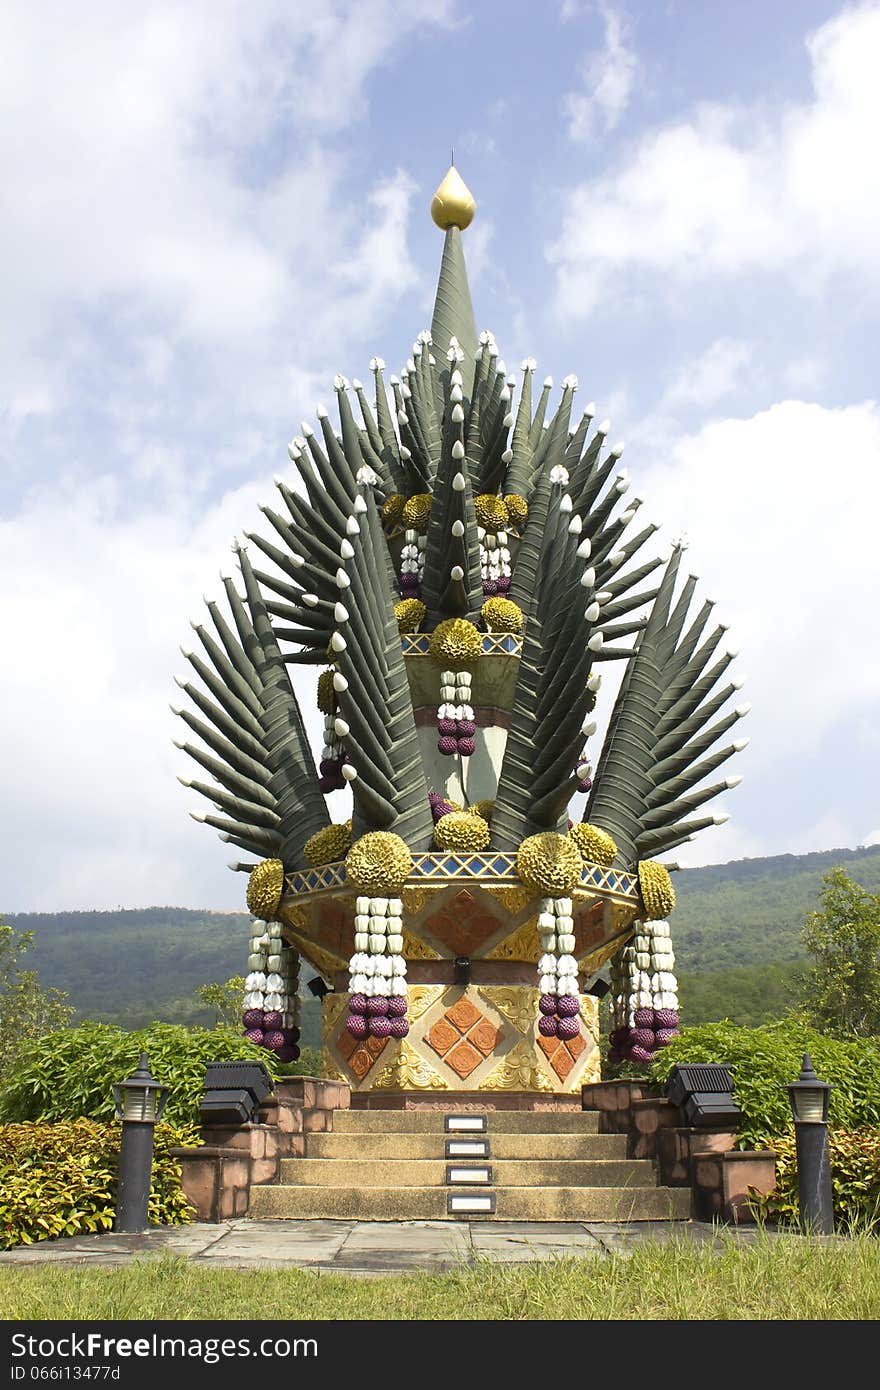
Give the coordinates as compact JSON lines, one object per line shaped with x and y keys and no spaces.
{"x":442,"y":1036}
{"x":562,"y":1063}
{"x":547,"y":1045}
{"x":375,"y":1046}
{"x":575,"y":1045}
{"x":360,"y":1062}
{"x":463,"y":1015}
{"x":484,"y":1036}
{"x":463,"y":1059}
{"x":462,"y":924}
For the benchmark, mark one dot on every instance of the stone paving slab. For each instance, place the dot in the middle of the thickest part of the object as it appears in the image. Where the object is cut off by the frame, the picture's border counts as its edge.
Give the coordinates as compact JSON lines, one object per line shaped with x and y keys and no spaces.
{"x":369,"y":1247}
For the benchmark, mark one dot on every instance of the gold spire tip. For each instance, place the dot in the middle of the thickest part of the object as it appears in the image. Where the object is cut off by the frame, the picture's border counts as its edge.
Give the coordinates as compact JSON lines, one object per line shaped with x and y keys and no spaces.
{"x":453,"y":204}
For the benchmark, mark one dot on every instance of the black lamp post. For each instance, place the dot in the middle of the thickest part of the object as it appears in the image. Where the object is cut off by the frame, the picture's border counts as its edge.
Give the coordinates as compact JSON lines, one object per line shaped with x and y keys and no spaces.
{"x":809,"y":1106}
{"x":139,"y":1104}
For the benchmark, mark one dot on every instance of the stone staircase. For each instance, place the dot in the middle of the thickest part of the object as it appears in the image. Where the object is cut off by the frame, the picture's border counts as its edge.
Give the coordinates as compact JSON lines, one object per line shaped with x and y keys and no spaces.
{"x":430,"y":1165}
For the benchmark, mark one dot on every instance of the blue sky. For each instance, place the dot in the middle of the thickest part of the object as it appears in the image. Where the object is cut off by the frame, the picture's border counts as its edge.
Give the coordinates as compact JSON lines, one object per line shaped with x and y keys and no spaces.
{"x":211,"y":208}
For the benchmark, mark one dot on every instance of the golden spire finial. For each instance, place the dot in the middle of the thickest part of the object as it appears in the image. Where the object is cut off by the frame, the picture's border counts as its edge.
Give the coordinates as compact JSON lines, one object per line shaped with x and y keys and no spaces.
{"x":453,"y":204}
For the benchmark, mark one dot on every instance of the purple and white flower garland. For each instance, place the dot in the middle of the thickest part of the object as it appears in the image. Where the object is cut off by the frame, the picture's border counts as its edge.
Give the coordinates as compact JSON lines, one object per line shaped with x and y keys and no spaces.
{"x":557,"y":970}
{"x":377,"y":984}
{"x":644,"y":1004}
{"x":271,"y":1001}
{"x":456,"y":726}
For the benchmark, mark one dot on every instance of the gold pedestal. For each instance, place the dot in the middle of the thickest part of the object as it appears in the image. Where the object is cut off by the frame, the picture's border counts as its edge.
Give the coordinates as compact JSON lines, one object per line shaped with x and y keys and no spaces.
{"x":479,"y":1037}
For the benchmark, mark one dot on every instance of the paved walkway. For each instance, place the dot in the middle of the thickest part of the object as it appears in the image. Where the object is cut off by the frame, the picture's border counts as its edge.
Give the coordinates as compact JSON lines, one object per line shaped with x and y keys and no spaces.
{"x":370,"y":1247}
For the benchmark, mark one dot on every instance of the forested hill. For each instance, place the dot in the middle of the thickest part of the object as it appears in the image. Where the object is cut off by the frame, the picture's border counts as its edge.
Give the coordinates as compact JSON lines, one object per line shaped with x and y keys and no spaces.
{"x":736,"y":934}
{"x":751,"y":910}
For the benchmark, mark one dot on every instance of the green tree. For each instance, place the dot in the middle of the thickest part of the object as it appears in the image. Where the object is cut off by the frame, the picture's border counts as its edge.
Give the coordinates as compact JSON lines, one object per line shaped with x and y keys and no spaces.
{"x":227,"y":1000}
{"x":27,"y":1011}
{"x":841,"y":992}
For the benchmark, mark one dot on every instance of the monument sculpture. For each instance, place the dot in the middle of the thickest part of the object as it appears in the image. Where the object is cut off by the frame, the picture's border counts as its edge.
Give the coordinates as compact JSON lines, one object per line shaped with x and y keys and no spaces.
{"x":459,"y":561}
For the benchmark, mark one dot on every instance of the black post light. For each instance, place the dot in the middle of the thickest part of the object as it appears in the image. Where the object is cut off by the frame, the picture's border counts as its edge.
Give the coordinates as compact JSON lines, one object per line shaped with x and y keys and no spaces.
{"x":140,"y":1102}
{"x":809,"y":1106}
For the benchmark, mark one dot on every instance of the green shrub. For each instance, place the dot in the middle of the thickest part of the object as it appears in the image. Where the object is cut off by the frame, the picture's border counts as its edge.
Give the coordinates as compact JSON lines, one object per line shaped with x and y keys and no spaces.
{"x":61,"y":1179}
{"x":855,"y":1180}
{"x":71,"y":1074}
{"x":766,"y":1059}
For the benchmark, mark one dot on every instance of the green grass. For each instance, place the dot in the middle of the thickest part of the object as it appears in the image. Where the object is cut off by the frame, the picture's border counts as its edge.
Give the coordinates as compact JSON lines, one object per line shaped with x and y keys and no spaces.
{"x":782,"y":1278}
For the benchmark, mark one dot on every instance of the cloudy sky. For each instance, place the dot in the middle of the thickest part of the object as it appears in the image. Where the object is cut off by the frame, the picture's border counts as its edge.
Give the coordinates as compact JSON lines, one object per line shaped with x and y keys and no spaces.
{"x":210,"y":208}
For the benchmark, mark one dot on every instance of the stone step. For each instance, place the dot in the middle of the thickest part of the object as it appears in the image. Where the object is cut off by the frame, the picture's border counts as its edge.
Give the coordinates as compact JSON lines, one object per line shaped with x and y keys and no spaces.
{"x":430,"y":1203}
{"x":430,"y":1172}
{"x":433,"y":1121}
{"x":552,"y":1146}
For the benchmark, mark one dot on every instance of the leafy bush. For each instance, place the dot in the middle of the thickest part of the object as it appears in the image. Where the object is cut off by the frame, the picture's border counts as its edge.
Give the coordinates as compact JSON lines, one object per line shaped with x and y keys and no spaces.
{"x":71,"y":1074}
{"x":766,"y":1059}
{"x":61,"y":1179}
{"x":855,"y":1180}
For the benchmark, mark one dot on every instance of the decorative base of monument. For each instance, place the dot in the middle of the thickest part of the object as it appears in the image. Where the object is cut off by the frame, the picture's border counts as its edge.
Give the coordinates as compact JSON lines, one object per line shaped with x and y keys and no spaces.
{"x":480,"y":1039}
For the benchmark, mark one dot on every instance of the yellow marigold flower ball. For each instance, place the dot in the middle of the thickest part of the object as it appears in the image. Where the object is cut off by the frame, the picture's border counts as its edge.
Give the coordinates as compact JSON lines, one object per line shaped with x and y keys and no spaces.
{"x":416,"y":511}
{"x":461,"y":832}
{"x":455,"y":642}
{"x":483,"y":808}
{"x":328,"y":845}
{"x":265,"y":886}
{"x":502,"y":615}
{"x":410,"y":613}
{"x":549,"y":864}
{"x":491,"y":512}
{"x":392,"y":509}
{"x":378,"y":863}
{"x":517,"y":509}
{"x":594,"y":844}
{"x":326,"y":693}
{"x":658,"y":894}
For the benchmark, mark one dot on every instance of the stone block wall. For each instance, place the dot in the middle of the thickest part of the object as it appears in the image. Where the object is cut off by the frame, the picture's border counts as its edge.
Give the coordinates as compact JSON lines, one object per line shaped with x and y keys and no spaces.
{"x":217,"y":1177}
{"x":718,"y":1174}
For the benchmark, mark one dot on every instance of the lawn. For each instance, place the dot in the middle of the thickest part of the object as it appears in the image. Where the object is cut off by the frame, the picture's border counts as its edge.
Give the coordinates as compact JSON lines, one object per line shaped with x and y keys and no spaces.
{"x":781,"y":1278}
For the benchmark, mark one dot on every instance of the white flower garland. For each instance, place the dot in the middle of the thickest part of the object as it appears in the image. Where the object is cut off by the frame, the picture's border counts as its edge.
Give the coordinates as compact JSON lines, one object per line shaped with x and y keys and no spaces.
{"x":644,"y":1003}
{"x":558,"y":970}
{"x":271,"y":999}
{"x":377,"y":981}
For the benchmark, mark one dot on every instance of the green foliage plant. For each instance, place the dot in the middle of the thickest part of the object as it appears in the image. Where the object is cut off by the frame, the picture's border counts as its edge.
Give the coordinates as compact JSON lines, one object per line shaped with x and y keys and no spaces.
{"x":61,"y":1179}
{"x":71,"y":1074}
{"x":226,"y":1000}
{"x":841,"y":991}
{"x":27,"y":1011}
{"x":766,"y":1059}
{"x":855,"y":1180}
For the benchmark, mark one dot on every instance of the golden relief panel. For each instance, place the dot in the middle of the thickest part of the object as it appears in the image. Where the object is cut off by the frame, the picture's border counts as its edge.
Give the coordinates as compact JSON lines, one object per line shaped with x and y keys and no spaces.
{"x":512,"y":897}
{"x":408,"y":1071}
{"x":518,"y":1070}
{"x":524,"y":944}
{"x":517,"y":1003}
{"x":415,"y":949}
{"x":334,"y":1006}
{"x":419,"y":999}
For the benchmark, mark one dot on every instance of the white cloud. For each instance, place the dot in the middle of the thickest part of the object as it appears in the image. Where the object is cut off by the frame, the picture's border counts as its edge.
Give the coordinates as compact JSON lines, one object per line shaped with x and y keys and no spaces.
{"x":607,"y":74}
{"x":709,"y":377}
{"x":781,"y":512}
{"x":168,"y":170}
{"x":732,"y":190}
